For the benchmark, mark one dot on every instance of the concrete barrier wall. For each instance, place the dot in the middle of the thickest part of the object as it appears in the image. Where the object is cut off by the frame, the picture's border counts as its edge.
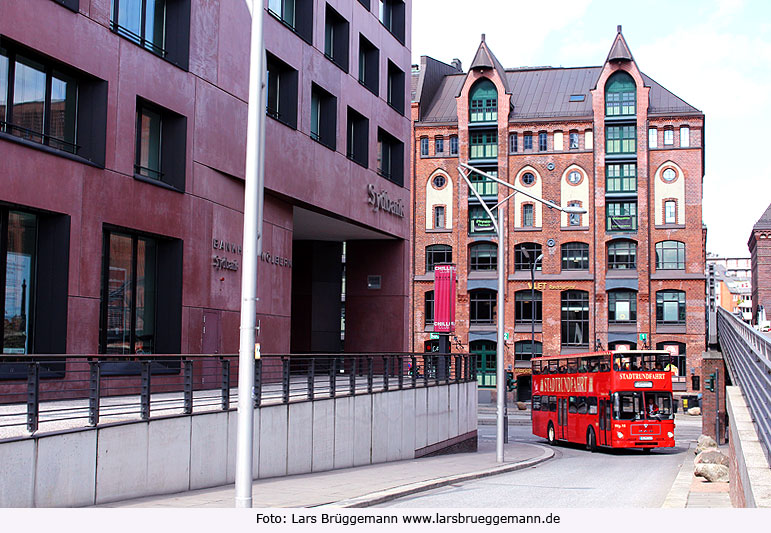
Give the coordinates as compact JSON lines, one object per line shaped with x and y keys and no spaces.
{"x":165,"y":456}
{"x":750,"y":476}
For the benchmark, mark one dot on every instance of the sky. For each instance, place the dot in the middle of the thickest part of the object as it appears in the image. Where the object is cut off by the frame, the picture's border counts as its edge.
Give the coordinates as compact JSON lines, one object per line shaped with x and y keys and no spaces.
{"x":714,"y":54}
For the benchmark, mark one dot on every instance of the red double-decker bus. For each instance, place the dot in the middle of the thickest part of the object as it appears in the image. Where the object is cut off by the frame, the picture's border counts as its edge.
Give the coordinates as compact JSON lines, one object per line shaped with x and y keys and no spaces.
{"x":616,"y":399}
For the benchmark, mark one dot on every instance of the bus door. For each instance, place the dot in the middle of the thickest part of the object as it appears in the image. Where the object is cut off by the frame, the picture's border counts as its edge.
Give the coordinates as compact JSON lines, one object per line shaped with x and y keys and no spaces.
{"x":603,"y":439}
{"x":562,"y":418}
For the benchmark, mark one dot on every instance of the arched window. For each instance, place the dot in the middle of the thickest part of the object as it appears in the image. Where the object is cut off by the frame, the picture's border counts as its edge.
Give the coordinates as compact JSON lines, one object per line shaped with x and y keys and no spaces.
{"x":575,"y":318}
{"x":483,"y":256}
{"x":670,"y":255}
{"x":622,"y":255}
{"x":622,"y":307}
{"x":620,"y":95}
{"x":527,"y":305}
{"x":670,"y":308}
{"x":483,"y":104}
{"x":524,"y":255}
{"x":575,"y":256}
{"x":436,"y":254}
{"x":482,"y":304}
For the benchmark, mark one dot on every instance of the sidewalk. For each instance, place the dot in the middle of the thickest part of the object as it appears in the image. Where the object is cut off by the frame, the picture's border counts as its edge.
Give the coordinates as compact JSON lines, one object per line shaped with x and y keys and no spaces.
{"x":689,"y":491}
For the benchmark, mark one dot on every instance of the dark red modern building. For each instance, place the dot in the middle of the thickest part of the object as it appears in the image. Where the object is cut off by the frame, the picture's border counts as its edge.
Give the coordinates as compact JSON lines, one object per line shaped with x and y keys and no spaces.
{"x":122,"y":148}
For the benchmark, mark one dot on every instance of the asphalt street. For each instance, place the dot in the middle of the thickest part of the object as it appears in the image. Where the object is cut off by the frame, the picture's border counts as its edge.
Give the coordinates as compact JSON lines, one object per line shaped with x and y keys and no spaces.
{"x":574,"y":478}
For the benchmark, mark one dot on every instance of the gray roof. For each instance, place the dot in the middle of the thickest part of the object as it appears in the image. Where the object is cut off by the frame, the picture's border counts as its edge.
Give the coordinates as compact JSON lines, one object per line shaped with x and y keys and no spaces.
{"x":545,"y":92}
{"x":764,"y":222}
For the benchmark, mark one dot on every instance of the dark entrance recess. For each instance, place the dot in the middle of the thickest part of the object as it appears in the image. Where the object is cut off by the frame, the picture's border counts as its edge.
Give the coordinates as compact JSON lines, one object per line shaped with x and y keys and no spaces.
{"x":524,"y":388}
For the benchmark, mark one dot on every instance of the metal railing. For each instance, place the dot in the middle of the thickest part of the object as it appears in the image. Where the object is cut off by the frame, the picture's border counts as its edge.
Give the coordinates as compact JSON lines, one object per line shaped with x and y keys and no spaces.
{"x":747,"y":354}
{"x":60,"y":392}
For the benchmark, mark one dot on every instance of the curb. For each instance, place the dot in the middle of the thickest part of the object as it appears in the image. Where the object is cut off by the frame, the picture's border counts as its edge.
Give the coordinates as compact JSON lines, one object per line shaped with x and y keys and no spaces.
{"x":677,"y":498}
{"x":387,"y":495}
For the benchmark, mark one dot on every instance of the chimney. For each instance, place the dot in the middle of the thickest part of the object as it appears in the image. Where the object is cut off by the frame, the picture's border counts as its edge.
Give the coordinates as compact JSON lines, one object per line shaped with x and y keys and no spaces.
{"x":456,"y":63}
{"x":483,"y":37}
{"x":618,"y":28}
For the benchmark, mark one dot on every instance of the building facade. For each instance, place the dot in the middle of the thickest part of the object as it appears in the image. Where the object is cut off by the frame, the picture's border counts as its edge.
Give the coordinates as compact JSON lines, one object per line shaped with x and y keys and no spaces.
{"x":628,"y":273}
{"x":760,"y":255}
{"x":123,"y":141}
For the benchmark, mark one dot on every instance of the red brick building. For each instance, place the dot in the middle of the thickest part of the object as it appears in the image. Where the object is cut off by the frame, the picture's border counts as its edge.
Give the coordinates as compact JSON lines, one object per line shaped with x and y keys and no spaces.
{"x":760,"y":253}
{"x":629,"y":272}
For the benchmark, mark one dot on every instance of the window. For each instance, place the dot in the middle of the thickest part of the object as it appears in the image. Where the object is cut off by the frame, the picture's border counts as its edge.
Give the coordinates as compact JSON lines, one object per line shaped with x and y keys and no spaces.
{"x":453,"y":145}
{"x":43,"y":103}
{"x":527,"y":139}
{"x":437,"y":254}
{"x":677,"y":354}
{"x":365,"y":3}
{"x":524,"y":255}
{"x":282,"y":91}
{"x":484,"y":145}
{"x":670,"y":308}
{"x":439,"y":181}
{"x":484,"y":102}
{"x":439,"y":221}
{"x":526,"y":350}
{"x":369,"y":65}
{"x":669,"y":136}
{"x":653,"y":137}
{"x":390,"y":157}
{"x":34,"y":258}
{"x":479,"y":221}
{"x":482,"y":307}
{"x":528,"y":304}
{"x":336,"y":38}
{"x":424,"y":147}
{"x":621,"y":177}
{"x":621,"y":216}
{"x":528,"y":178}
{"x":621,"y":140}
{"x":160,"y":26}
{"x":669,"y":175}
{"x":670,"y":212}
{"x":528,"y":215}
{"x":670,"y":255}
{"x":392,"y":16}
{"x":575,"y":318}
{"x":295,"y":14}
{"x":573,"y":137}
{"x":575,"y":256}
{"x":395,"y":88}
{"x":428,"y":314}
{"x":574,"y":219}
{"x":438,"y":145}
{"x":620,"y":95}
{"x":685,"y":136}
{"x":482,"y":184}
{"x":574,"y":177}
{"x":483,"y":256}
{"x":141,"y":294}
{"x":542,"y":141}
{"x":577,"y":97}
{"x":512,"y":143}
{"x":323,"y":117}
{"x":622,"y":255}
{"x":358,"y":138}
{"x":72,"y":5}
{"x":160,"y":145}
{"x":622,"y":307}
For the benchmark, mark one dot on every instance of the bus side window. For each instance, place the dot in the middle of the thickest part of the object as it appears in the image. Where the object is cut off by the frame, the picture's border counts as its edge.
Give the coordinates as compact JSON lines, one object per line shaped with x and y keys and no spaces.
{"x":581,"y":405}
{"x":536,"y":367}
{"x":591,"y":403}
{"x":536,"y":405}
{"x":605,"y":364}
{"x":563,"y":366}
{"x":553,"y":404}
{"x":572,"y":406}
{"x":572,"y":366}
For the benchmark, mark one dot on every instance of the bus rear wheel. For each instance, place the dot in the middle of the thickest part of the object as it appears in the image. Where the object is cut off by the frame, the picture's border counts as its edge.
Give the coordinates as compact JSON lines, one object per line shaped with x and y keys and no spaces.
{"x":591,"y":441}
{"x":550,"y":434}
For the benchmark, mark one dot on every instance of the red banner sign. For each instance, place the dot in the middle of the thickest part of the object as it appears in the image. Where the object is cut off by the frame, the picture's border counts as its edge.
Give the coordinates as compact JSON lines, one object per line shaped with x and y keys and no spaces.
{"x":444,"y":298}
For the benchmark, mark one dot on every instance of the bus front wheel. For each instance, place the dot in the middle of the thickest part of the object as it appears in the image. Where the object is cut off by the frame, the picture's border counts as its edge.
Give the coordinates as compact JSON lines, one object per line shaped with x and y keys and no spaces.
{"x":550,"y":434}
{"x":591,"y":440}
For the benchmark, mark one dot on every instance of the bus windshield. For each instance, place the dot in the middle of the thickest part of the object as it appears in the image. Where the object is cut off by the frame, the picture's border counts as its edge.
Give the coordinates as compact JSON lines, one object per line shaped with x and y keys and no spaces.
{"x":642,"y":406}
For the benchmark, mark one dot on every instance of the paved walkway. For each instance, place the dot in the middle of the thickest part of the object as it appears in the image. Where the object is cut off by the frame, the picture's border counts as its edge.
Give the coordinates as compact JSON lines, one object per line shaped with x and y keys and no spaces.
{"x":370,"y":485}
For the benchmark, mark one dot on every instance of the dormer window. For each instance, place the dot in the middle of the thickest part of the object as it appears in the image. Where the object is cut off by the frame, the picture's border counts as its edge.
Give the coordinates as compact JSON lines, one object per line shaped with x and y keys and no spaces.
{"x":483,"y":105}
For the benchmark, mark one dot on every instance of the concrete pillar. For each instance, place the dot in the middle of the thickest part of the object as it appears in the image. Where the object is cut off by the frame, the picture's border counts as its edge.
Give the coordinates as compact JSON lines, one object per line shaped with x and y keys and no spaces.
{"x":713,"y":403}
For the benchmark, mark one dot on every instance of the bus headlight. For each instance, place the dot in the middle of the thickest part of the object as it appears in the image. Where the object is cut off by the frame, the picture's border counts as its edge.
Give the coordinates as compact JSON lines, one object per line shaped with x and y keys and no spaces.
{"x":671,"y":435}
{"x":619,"y":435}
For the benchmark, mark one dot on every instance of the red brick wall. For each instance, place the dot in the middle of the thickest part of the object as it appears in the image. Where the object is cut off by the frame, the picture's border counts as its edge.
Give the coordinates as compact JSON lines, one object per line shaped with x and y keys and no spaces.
{"x":709,"y":400}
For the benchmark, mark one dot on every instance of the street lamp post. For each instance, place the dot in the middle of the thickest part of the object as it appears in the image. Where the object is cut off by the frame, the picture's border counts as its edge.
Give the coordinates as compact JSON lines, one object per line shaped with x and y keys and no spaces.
{"x":499,"y":226}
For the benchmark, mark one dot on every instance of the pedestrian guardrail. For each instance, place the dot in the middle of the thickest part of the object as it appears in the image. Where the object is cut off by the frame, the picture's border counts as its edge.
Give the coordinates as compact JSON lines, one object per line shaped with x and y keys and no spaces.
{"x":748,"y":356}
{"x":60,"y":392}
